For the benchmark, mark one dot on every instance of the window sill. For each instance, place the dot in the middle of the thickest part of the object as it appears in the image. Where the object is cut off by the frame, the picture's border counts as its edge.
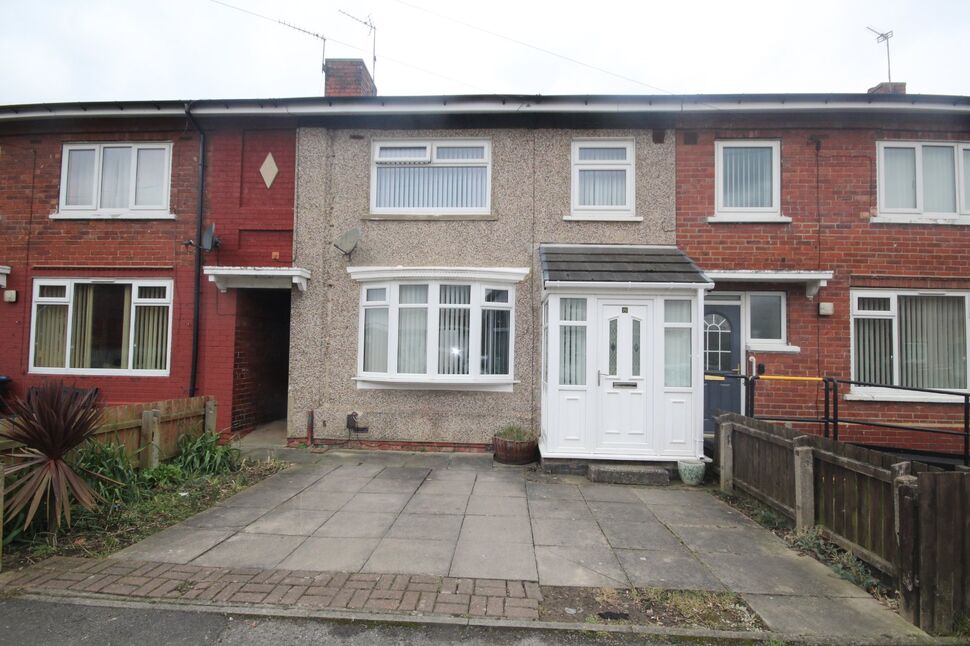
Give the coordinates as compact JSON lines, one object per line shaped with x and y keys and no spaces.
{"x":773,"y":347}
{"x":890,"y":395}
{"x":432,"y":217}
{"x":601,"y":217}
{"x":416,"y":383}
{"x":748,"y":218}
{"x":128,"y":215}
{"x":90,"y":372}
{"x":963,"y":220}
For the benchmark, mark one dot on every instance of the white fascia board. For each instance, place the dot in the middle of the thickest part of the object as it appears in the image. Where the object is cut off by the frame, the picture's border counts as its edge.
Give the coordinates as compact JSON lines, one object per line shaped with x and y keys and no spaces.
{"x":613,"y":286}
{"x":257,"y":277}
{"x":481,"y":274}
{"x":4,"y":271}
{"x":813,"y":280}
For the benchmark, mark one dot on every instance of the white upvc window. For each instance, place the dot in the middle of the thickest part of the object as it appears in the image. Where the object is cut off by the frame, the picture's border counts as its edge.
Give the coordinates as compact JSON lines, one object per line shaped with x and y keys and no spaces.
{"x":603,"y":180}
{"x":748,"y":181}
{"x":924,"y":181}
{"x":431,"y":177}
{"x":436,"y":332}
{"x":115,"y":180}
{"x":767,"y":318}
{"x":678,"y":327}
{"x":909,"y":338}
{"x":101,"y":326}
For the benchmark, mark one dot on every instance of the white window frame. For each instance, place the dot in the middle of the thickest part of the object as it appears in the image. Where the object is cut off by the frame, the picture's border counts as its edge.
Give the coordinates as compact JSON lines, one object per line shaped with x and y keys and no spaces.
{"x":429,"y":158}
{"x":748,"y":214}
{"x":918,"y":215}
{"x":624,"y":213}
{"x":68,"y":299}
{"x":748,"y":343}
{"x":874,"y":393}
{"x":432,"y":379}
{"x":131,"y":212}
{"x":768,"y":343}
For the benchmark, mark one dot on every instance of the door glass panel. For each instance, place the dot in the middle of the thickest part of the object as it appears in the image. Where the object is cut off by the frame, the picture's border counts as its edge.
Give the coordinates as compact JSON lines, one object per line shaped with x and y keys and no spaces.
{"x":717,"y":343}
{"x":636,"y":348}
{"x":613,"y":334}
{"x":572,"y":355}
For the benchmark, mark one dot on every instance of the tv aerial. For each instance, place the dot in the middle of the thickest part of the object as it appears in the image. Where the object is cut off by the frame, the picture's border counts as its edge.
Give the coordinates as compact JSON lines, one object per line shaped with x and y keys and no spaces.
{"x":883,"y":37}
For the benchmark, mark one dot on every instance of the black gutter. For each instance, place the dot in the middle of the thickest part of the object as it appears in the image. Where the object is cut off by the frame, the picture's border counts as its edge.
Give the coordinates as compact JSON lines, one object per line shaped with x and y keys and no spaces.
{"x":197,"y":279}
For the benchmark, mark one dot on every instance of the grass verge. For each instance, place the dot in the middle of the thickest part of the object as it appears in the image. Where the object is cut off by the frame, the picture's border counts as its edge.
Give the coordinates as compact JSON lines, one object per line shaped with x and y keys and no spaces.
{"x":115,"y":526}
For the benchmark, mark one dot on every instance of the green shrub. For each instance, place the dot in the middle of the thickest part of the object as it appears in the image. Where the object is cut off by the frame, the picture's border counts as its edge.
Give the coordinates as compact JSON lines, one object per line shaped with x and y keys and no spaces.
{"x":515,"y":433}
{"x":165,"y":475}
{"x":108,"y":469}
{"x":203,"y":455}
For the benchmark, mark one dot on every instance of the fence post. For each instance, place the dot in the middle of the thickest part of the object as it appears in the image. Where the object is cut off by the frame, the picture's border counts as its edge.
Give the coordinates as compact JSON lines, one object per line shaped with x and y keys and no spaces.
{"x":804,"y":485}
{"x":906,"y":511}
{"x":726,"y":455}
{"x":210,"y":416}
{"x":150,"y":437}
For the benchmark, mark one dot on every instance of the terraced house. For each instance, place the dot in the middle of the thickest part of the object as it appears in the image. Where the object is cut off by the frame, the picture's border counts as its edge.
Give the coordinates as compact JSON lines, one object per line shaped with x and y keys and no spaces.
{"x":417,"y":272}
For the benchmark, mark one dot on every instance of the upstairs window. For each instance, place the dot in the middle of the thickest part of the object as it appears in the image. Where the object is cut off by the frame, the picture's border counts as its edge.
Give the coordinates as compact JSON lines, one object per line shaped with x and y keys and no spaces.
{"x":115,"y":180}
{"x":929,"y":180}
{"x":603,"y":179}
{"x":431,"y":177}
{"x":748,"y":180}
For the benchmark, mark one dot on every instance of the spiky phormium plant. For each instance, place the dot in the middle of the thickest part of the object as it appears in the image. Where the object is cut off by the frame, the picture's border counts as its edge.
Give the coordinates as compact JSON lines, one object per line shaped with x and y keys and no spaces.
{"x":49,"y":423}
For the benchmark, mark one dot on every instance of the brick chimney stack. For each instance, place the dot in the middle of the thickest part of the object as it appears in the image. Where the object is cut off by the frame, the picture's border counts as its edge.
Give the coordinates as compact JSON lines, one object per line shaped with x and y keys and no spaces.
{"x":888,"y":88}
{"x":348,"y":77}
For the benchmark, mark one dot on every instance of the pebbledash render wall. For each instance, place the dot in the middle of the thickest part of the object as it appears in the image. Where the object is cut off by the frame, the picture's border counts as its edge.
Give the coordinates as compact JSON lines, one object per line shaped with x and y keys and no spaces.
{"x":530,"y":194}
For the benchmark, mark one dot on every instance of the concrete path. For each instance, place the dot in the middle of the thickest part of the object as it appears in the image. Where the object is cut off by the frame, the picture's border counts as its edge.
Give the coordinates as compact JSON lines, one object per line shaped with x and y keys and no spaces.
{"x":460,"y":517}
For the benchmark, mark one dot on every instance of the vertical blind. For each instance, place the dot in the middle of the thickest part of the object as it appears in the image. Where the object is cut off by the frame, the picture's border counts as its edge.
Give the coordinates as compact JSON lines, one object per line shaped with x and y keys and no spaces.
{"x":496,"y":325}
{"x":899,"y":176}
{"x":939,"y":180}
{"x":375,"y":339}
{"x":602,"y":187}
{"x":933,"y":342}
{"x":572,"y":342}
{"x":50,"y":336}
{"x":412,"y":331}
{"x":431,"y":187}
{"x":151,"y":337}
{"x":747,"y":177}
{"x":602,"y":153}
{"x":454,"y":329}
{"x":874,"y":350}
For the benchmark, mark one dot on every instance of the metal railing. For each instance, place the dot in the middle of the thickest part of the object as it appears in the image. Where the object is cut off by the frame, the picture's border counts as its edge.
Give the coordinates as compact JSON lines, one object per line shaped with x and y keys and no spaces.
{"x":832,"y":420}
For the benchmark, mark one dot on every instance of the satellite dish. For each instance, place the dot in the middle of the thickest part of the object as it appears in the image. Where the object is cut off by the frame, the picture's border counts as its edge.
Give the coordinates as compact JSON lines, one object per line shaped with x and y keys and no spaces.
{"x":348,"y":241}
{"x":209,"y":239}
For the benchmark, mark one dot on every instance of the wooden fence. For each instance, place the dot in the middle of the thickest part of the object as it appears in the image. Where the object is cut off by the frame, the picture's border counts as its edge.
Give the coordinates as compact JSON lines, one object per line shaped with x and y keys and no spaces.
{"x":149,"y":431}
{"x":908,"y":519}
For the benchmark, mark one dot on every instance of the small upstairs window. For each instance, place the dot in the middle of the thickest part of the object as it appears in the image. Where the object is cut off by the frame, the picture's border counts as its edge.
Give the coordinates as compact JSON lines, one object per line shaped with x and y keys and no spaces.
{"x":603,"y":180}
{"x":431,"y":177}
{"x":748,"y":180}
{"x":115,"y":180}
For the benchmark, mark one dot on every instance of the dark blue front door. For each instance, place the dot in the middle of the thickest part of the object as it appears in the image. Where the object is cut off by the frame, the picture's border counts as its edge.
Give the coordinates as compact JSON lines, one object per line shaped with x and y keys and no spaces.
{"x":722,"y":356}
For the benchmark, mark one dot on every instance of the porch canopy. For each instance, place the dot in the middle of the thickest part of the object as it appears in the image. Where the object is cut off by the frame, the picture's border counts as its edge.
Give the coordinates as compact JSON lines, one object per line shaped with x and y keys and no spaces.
{"x":257,"y":277}
{"x":622,"y":373}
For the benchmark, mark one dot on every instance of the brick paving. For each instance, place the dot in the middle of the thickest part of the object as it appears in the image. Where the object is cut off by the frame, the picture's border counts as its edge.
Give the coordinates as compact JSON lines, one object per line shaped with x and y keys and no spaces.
{"x":394,"y":593}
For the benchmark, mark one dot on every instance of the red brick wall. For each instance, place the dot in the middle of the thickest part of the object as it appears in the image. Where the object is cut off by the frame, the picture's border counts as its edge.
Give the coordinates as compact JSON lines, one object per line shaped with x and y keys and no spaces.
{"x":348,"y":77}
{"x":253,"y":221}
{"x":830,"y":230}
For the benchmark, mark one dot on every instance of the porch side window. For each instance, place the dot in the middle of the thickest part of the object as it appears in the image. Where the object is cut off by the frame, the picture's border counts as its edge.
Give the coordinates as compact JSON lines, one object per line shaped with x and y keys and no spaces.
{"x":431,"y":177}
{"x":748,"y":178}
{"x":125,"y":180}
{"x":603,"y":179}
{"x":572,"y":342}
{"x":427,"y":331}
{"x":677,"y":343}
{"x":909,"y":339}
{"x":101,"y":327}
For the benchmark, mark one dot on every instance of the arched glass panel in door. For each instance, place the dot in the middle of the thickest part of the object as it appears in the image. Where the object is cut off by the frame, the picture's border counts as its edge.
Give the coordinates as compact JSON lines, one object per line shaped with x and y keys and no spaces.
{"x":717,"y":343}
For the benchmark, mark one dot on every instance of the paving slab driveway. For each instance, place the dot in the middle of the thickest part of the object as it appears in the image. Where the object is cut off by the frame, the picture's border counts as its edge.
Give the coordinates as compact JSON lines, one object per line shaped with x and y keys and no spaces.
{"x":462,"y":516}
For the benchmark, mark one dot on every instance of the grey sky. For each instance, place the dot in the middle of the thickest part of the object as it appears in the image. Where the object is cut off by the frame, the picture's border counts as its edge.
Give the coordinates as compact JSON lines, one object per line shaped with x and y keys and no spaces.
{"x":185,"y":49}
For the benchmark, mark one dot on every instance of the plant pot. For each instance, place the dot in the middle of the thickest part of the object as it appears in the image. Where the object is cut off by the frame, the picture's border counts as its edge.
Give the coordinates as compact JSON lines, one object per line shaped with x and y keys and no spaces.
{"x":515,"y":451}
{"x":691,"y":471}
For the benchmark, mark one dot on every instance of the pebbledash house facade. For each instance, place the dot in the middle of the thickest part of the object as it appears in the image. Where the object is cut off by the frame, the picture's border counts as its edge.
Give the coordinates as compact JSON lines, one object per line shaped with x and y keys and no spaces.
{"x":418,"y":272}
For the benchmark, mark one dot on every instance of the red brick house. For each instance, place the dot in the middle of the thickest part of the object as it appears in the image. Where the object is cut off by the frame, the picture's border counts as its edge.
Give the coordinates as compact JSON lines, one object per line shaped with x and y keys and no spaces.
{"x":837,"y":239}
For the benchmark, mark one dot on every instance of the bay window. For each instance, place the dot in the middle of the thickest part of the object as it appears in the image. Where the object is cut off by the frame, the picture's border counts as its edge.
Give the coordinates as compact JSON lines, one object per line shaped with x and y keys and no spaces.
{"x":125,"y":180}
{"x":911,"y":339}
{"x":423,"y":331}
{"x":924,"y":180}
{"x":86,"y":326}
{"x":448,"y":176}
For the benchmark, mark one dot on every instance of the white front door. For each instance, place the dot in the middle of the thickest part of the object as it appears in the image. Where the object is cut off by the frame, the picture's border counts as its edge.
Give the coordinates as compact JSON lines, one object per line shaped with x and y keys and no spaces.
{"x":622,"y":358}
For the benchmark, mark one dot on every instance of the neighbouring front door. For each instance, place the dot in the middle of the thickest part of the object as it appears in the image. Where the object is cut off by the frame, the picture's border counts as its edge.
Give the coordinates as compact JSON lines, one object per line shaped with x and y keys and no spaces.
{"x":722,"y":358}
{"x":621,"y":376}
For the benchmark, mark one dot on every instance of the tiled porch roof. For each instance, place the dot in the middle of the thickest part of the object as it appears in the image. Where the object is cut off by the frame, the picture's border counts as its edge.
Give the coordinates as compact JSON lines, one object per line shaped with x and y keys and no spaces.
{"x":618,"y":264}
